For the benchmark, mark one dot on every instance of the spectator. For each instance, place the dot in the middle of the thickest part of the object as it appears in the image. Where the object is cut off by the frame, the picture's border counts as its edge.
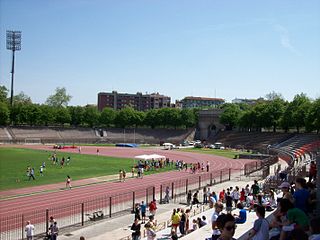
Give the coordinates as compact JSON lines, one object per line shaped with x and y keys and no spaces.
{"x":228,"y":202}
{"x":137,"y":211}
{"x":235,"y":196}
{"x":285,"y":186}
{"x":222,"y":195}
{"x":215,"y":231}
{"x":143,"y":208}
{"x":242,"y":217}
{"x":205,"y":196}
{"x":315,"y":229}
{"x":187,"y":220}
{"x":255,"y":188}
{"x":182,"y":223}
{"x":151,"y":234}
{"x":312,"y":171}
{"x":82,"y":238}
{"x":195,"y":199}
{"x":260,"y":229}
{"x":175,"y":218}
{"x":301,"y":195}
{"x":227,"y":226}
{"x":166,"y":197}
{"x":54,"y":231}
{"x":136,"y":228}
{"x":29,"y":229}
{"x":189,"y":195}
{"x":212,"y":200}
{"x":204,"y":219}
{"x":298,"y":234}
{"x":296,"y":218}
{"x":153,"y":207}
{"x":200,"y":222}
{"x":174,"y":235}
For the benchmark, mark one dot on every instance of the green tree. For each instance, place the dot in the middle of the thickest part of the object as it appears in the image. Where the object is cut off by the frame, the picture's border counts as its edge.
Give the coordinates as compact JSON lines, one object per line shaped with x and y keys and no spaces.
{"x":301,"y":105}
{"x":32,"y":114}
{"x":22,"y":98}
{"x":273,"y":112}
{"x":188,"y":118}
{"x":151,"y":119}
{"x":3,"y":94}
{"x":62,"y":116}
{"x":230,"y":115}
{"x":77,"y":115}
{"x":47,"y":115}
{"x":91,"y":116}
{"x":4,"y":113}
{"x":59,"y":99}
{"x":125,"y":117}
{"x":313,"y":117}
{"x":107,"y":117}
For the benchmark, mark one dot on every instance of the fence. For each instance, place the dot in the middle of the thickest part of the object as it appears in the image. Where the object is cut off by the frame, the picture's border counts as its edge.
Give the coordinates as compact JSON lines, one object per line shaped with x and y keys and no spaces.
{"x":74,"y":213}
{"x":79,"y":213}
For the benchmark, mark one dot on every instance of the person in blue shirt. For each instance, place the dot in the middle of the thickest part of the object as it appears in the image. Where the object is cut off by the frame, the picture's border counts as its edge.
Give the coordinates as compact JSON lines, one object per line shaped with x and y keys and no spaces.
{"x":242,"y":217}
{"x":301,"y":195}
{"x":143,"y":208}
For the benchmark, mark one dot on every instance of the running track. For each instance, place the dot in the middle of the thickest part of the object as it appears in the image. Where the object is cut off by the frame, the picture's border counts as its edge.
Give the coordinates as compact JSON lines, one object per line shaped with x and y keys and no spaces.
{"x":46,"y":200}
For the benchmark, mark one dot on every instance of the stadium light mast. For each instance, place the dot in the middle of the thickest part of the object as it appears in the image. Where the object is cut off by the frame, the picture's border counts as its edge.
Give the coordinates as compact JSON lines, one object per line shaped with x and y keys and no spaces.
{"x":13,"y":44}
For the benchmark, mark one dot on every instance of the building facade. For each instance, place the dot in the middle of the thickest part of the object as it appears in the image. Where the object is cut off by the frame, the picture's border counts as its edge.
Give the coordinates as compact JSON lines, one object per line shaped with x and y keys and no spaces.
{"x":193,"y":102}
{"x":138,"y":101}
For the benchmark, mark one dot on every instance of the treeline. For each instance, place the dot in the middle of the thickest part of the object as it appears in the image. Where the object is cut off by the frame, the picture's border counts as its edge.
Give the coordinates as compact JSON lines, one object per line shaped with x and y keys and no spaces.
{"x":274,"y":113}
{"x":88,"y":116}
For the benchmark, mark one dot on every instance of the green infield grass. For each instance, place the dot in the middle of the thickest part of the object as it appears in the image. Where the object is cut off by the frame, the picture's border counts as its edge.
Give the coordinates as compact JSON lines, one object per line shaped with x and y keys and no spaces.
{"x":219,"y":152}
{"x":14,"y":163}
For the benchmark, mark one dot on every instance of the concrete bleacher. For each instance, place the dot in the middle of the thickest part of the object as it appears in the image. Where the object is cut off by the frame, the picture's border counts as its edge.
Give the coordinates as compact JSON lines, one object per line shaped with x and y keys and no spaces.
{"x":77,"y":133}
{"x":250,"y":140}
{"x":4,"y":135}
{"x":22,"y":133}
{"x":144,"y":135}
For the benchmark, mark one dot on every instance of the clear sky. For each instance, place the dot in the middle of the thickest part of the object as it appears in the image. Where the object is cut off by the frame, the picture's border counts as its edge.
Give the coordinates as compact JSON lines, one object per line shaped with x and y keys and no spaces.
{"x":208,"y":48}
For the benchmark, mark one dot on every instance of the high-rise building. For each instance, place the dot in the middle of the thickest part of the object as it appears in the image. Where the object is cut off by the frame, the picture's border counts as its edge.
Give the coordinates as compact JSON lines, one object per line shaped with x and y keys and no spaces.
{"x":138,"y":101}
{"x":193,"y":102}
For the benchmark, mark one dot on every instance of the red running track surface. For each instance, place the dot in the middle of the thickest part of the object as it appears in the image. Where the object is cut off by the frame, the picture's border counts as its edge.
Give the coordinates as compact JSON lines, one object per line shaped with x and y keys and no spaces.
{"x":47,"y":200}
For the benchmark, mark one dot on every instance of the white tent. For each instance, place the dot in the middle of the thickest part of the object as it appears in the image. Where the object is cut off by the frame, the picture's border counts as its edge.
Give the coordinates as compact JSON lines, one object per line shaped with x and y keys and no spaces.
{"x":144,"y":157}
{"x":156,"y":156}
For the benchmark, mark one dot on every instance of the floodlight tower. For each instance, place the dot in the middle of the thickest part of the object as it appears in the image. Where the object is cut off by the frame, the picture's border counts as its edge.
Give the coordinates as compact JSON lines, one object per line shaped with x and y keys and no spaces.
{"x":13,"y":44}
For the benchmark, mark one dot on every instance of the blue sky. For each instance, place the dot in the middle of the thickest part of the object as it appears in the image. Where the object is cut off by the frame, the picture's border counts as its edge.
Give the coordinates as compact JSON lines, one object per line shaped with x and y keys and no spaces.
{"x":224,"y":48}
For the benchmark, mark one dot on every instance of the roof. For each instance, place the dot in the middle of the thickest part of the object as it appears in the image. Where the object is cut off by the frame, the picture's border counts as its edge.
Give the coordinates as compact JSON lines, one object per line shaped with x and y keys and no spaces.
{"x":203,"y":98}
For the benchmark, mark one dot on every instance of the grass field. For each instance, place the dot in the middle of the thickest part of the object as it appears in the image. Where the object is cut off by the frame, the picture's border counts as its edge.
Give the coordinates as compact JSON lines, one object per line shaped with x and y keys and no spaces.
{"x":14,"y":163}
{"x":224,"y":153}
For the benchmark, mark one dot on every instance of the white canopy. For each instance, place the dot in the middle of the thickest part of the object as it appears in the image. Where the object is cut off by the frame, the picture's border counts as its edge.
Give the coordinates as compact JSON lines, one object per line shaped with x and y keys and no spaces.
{"x":144,"y":156}
{"x":150,"y":156}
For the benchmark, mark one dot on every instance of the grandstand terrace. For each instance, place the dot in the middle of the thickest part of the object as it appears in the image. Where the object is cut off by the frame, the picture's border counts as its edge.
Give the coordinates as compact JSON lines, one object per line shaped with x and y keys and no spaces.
{"x":145,"y":135}
{"x":250,"y":140}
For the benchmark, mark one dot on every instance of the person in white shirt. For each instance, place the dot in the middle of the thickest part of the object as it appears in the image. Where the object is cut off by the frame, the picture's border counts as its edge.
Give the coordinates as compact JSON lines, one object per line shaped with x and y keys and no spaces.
{"x":215,"y":230}
{"x":29,"y":231}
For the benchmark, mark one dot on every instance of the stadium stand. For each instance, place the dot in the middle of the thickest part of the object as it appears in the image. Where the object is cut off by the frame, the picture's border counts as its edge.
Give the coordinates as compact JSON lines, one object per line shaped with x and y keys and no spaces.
{"x":250,"y":140}
{"x":4,"y":135}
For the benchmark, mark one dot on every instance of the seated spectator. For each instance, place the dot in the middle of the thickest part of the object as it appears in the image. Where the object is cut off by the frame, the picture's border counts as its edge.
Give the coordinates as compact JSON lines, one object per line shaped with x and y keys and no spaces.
{"x":298,"y":234}
{"x":260,"y":229}
{"x":315,"y":229}
{"x":285,"y":187}
{"x":200,"y":222}
{"x":296,"y":218}
{"x":242,"y":216}
{"x":301,"y":195}
{"x":227,"y":226}
{"x":204,"y":219}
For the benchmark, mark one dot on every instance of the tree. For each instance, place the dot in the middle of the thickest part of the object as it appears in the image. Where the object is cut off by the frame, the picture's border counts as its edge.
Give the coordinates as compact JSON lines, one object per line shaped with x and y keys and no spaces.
{"x":273,"y":111}
{"x":151,"y":118}
{"x":62,"y":116}
{"x":3,"y":94}
{"x":91,"y":116}
{"x":187,"y":117}
{"x":125,"y":117}
{"x":47,"y":115}
{"x":313,"y":116}
{"x":300,"y":105}
{"x":273,"y":96}
{"x":107,"y":117}
{"x":4,"y":113}
{"x":59,"y":99}
{"x":230,"y":115}
{"x":77,"y":115}
{"x":22,"y":98}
